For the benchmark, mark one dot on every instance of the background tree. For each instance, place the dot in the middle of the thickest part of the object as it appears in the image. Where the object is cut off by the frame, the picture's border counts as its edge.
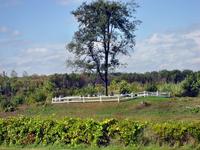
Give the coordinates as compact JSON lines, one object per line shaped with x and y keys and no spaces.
{"x":106,"y":30}
{"x":191,"y":85}
{"x":13,"y":74}
{"x":25,"y":74}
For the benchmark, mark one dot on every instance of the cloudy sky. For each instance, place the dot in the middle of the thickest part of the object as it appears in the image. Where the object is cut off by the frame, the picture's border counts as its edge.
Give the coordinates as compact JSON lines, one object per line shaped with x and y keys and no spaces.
{"x":33,"y":35}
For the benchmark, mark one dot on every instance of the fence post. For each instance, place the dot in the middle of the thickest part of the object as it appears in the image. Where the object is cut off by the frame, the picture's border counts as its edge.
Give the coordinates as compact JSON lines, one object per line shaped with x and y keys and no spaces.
{"x":100,"y":98}
{"x":131,"y":95}
{"x":83,"y":99}
{"x":59,"y":99}
{"x":144,"y":93}
{"x":157,"y":93}
{"x":118,"y":99}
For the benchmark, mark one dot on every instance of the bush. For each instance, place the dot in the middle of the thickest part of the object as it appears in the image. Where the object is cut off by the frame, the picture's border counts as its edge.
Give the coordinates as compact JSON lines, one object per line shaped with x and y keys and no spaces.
{"x":6,"y":105}
{"x":25,"y":131}
{"x":136,"y":87}
{"x":18,"y":99}
{"x":89,"y":90}
{"x":177,"y":133}
{"x":191,"y":85}
{"x":174,"y":89}
{"x":124,"y":87}
{"x":38,"y":96}
{"x":151,"y":88}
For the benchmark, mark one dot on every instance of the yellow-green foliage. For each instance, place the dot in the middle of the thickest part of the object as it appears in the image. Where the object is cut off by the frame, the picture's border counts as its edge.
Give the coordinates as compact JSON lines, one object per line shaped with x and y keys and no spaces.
{"x":26,"y":131}
{"x":177,"y":132}
{"x":125,"y":87}
{"x":174,"y":89}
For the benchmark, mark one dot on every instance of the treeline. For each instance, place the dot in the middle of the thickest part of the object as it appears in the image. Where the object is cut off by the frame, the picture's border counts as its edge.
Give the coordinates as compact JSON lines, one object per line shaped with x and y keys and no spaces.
{"x":39,"y":89}
{"x":163,"y":76}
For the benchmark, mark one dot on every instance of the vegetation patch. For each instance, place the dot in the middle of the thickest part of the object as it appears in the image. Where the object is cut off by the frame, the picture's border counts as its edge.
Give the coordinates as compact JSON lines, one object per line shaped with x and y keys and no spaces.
{"x":73,"y":132}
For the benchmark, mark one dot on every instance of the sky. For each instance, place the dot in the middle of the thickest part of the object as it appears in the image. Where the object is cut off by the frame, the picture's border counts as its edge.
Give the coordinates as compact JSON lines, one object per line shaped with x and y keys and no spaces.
{"x":34,"y":33}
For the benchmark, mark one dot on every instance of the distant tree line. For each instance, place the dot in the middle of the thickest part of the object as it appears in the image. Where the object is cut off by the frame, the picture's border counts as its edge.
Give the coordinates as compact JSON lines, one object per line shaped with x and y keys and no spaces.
{"x":29,"y":89}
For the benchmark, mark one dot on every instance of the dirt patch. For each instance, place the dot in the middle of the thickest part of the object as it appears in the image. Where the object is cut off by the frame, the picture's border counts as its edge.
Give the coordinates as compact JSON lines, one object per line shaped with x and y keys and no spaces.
{"x":8,"y":114}
{"x":143,"y":105}
{"x":19,"y":109}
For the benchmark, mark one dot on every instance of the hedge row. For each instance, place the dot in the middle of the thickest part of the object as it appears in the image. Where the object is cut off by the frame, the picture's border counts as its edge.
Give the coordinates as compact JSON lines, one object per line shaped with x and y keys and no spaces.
{"x":26,"y":131}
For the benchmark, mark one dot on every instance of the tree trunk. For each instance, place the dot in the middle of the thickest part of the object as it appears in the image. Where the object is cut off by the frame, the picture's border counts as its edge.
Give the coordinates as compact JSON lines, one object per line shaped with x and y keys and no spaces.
{"x":106,"y":73}
{"x":107,"y":53}
{"x":106,"y":83}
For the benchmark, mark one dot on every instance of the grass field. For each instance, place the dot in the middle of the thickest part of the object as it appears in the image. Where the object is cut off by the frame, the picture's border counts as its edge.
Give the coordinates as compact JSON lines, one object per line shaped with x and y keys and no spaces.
{"x":141,"y":109}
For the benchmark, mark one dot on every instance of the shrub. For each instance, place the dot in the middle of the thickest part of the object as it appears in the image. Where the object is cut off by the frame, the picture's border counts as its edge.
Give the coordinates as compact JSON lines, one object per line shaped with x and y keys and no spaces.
{"x":89,"y":90}
{"x":191,"y":85}
{"x":7,"y":105}
{"x":124,"y":87}
{"x":136,"y":87}
{"x":25,"y":131}
{"x":38,"y":96}
{"x":174,"y":89}
{"x":176,"y":133}
{"x":151,"y":88}
{"x":130,"y":132}
{"x":18,"y":99}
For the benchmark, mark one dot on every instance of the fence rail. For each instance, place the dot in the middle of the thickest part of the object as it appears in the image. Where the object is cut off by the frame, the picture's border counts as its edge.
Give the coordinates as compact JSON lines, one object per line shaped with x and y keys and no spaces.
{"x":115,"y":98}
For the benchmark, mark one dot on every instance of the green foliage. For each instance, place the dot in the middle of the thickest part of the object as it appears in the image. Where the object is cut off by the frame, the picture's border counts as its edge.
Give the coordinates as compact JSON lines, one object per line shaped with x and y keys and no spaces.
{"x":194,"y":109}
{"x":6,"y":105}
{"x":114,"y":87}
{"x":74,"y":132}
{"x":30,"y":89}
{"x":130,"y":132}
{"x":191,"y":85}
{"x":89,"y":90}
{"x":174,"y":89}
{"x":136,"y":87}
{"x":177,"y":133}
{"x":18,"y":99}
{"x":38,"y":96}
{"x":99,"y":89}
{"x":124,"y":87}
{"x":25,"y":131}
{"x":151,"y":88}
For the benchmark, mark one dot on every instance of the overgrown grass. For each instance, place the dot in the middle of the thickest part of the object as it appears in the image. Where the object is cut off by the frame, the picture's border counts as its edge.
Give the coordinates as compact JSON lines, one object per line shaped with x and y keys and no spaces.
{"x":152,"y":109}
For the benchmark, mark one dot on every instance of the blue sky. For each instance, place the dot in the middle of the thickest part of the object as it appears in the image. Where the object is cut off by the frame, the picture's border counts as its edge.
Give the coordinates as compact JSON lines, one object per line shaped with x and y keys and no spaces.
{"x":33,"y":35}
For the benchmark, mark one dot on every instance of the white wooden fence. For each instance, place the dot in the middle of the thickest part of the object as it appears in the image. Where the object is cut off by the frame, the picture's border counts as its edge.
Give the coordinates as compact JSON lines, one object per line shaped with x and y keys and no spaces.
{"x":115,"y":98}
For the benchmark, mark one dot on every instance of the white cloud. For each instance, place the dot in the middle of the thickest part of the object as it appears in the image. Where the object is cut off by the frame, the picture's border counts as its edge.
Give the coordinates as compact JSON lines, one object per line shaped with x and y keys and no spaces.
{"x":69,"y":2}
{"x":173,"y":50}
{"x":36,"y":50}
{"x":40,"y":59}
{"x":9,"y":31}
